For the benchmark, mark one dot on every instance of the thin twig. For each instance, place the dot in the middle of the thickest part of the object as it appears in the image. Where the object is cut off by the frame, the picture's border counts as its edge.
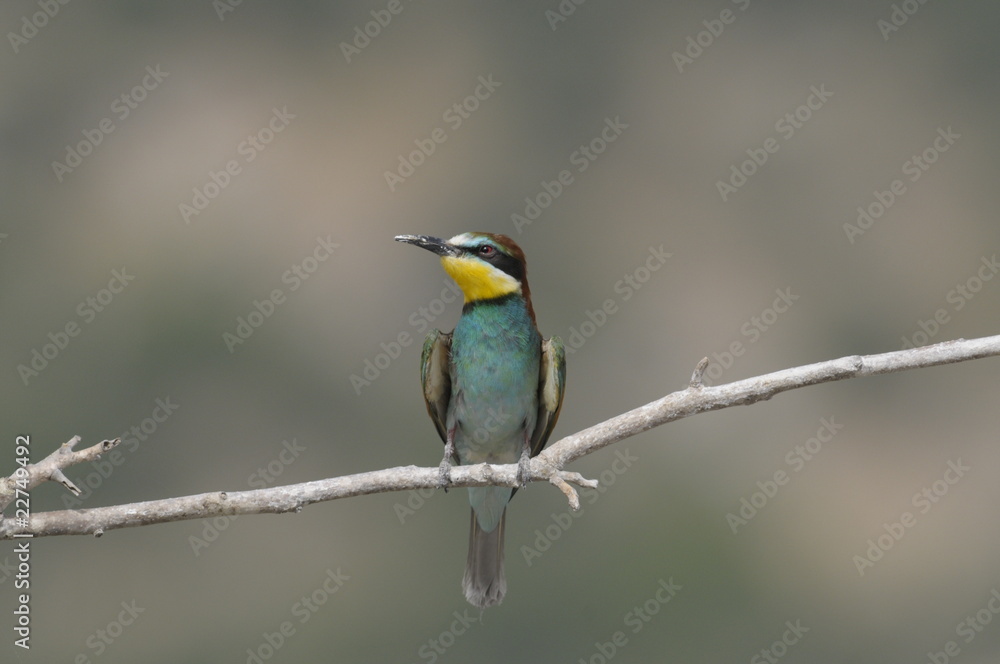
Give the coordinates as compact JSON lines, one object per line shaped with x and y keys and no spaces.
{"x":51,"y":469}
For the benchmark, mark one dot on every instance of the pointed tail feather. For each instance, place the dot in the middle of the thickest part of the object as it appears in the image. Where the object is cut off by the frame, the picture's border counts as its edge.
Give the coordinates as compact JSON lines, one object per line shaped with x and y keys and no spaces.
{"x":484,"y":583}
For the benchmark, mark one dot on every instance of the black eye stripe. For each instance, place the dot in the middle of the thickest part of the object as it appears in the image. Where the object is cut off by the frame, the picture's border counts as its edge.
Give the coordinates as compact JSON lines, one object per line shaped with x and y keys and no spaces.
{"x":498,"y":259}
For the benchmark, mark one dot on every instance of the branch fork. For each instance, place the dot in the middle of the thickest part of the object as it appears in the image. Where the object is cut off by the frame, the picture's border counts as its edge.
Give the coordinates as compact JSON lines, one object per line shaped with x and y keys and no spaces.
{"x":561,"y":480}
{"x":485,"y":474}
{"x":51,"y":469}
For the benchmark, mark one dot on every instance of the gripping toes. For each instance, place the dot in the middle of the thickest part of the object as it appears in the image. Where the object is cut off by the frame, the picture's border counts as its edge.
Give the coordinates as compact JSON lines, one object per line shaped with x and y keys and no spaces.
{"x":444,"y":473}
{"x":524,"y":469}
{"x":444,"y":470}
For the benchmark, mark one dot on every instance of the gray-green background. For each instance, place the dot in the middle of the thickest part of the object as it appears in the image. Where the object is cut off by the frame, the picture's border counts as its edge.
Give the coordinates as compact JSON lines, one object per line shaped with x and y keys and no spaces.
{"x":323,"y":176}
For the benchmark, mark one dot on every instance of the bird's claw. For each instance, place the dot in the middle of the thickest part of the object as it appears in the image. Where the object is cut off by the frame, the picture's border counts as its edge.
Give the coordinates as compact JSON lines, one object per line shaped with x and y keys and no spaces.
{"x":523,"y":470}
{"x":444,"y":474}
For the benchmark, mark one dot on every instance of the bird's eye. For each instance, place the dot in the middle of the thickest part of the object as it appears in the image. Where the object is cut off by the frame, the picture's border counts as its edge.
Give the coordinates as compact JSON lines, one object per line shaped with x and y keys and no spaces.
{"x":486,"y":251}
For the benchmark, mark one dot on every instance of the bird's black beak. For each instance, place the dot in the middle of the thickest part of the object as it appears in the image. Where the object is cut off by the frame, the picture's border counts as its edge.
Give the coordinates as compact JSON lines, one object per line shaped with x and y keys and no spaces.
{"x":435,"y":244}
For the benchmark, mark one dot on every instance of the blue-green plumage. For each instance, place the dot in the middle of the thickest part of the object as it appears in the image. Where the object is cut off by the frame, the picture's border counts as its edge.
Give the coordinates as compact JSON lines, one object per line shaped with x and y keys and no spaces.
{"x":493,"y":387}
{"x":495,"y":353}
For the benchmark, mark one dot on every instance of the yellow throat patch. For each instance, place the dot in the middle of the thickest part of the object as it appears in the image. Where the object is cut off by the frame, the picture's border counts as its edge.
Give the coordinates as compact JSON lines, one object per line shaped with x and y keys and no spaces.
{"x":479,"y":280}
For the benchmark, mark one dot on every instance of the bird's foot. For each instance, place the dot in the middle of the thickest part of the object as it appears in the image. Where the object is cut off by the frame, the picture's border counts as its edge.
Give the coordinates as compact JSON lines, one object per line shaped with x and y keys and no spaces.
{"x":524,"y":469}
{"x":444,"y":474}
{"x":444,"y":469}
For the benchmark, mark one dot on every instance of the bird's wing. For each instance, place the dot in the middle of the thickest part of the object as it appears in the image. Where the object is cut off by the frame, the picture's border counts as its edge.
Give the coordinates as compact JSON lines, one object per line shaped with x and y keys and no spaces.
{"x":436,"y":378}
{"x":551,"y":386}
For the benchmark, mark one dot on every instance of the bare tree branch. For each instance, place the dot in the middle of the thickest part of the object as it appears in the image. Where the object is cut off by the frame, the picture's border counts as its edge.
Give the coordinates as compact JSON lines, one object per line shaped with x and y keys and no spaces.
{"x":50,"y":468}
{"x":548,"y":465}
{"x":698,"y":398}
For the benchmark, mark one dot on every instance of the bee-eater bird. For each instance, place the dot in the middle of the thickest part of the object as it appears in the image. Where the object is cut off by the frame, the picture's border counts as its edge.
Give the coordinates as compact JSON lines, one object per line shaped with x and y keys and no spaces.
{"x":493,"y":387}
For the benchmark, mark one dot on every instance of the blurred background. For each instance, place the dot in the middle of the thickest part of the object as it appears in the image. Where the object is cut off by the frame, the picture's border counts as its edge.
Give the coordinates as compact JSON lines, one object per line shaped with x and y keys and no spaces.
{"x":196,"y":253}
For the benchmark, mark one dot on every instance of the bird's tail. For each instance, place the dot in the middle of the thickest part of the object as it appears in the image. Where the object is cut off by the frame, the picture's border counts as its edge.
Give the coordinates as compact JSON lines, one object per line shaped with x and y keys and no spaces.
{"x":484,"y":583}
